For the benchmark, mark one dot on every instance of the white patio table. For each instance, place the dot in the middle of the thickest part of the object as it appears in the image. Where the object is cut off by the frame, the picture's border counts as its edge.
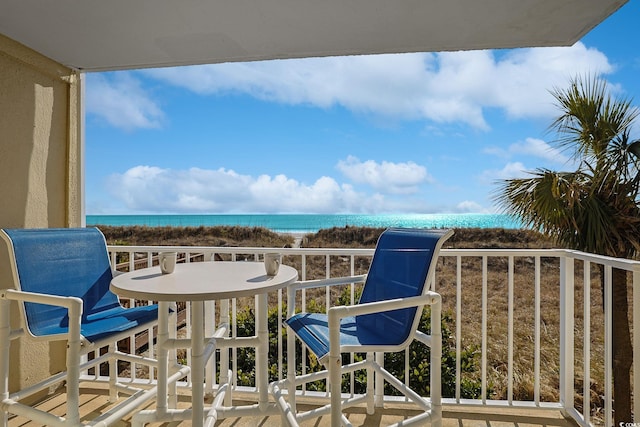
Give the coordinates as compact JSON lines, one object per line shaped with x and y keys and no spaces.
{"x":198,"y":282}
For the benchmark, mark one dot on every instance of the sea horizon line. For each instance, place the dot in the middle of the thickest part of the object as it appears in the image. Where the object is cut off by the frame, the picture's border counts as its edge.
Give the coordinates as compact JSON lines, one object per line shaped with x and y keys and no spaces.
{"x":305,"y":223}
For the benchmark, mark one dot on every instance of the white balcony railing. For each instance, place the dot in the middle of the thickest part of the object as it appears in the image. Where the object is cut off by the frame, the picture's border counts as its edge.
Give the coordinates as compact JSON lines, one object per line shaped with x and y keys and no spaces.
{"x":522,"y":330}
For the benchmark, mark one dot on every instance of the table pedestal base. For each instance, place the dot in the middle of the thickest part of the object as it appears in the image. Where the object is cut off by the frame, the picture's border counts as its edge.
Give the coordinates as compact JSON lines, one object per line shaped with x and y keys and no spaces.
{"x":202,"y":349}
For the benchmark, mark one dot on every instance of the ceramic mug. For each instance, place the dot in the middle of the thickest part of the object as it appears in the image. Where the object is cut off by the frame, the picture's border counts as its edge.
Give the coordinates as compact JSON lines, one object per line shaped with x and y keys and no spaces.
{"x":167,"y":261}
{"x":272,"y":263}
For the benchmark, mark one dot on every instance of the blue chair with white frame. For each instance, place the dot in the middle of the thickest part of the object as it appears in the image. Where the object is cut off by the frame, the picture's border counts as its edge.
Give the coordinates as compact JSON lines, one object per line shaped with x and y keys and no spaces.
{"x":61,"y":284}
{"x":396,"y":288}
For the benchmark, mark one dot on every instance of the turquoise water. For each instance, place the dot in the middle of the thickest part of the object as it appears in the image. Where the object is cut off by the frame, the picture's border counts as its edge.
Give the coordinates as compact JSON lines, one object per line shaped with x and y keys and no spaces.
{"x":307,"y":223}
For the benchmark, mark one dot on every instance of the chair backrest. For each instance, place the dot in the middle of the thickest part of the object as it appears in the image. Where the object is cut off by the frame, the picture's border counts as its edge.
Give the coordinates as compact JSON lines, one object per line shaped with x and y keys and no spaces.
{"x":403,"y":265}
{"x":63,"y":262}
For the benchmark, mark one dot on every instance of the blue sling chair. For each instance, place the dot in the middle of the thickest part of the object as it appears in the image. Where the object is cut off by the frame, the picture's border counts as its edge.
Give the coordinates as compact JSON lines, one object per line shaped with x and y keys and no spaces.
{"x":395,"y":290}
{"x":61,"y":283}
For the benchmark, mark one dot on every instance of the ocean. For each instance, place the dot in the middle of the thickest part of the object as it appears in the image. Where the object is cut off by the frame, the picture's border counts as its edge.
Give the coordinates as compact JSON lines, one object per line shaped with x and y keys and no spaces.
{"x":311,"y":223}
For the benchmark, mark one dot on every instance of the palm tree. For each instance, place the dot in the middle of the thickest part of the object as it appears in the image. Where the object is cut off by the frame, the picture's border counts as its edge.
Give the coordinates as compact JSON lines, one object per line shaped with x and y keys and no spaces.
{"x":594,"y":208}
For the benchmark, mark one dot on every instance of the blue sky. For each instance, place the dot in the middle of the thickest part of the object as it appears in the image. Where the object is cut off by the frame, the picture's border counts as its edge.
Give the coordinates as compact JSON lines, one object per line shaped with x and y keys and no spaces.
{"x":411,"y":133}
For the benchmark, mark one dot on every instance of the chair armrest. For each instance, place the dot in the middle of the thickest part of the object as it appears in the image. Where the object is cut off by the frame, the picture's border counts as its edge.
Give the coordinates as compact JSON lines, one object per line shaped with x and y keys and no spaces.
{"x":320,"y":283}
{"x":338,"y":312}
{"x":72,"y":304}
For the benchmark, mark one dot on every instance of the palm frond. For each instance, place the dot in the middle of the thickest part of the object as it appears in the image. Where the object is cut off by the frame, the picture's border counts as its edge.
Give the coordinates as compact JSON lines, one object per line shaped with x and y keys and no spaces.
{"x":594,"y":208}
{"x":590,"y":118}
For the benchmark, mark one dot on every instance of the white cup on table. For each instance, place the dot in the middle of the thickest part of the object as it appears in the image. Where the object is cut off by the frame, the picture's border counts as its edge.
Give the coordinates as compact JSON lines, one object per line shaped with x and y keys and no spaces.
{"x":272,"y":263}
{"x":167,"y":261}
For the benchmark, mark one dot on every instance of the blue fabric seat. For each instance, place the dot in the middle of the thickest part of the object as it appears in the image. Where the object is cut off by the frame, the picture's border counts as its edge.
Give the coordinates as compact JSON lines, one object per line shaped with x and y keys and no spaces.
{"x":61,"y":284}
{"x":384,"y":320}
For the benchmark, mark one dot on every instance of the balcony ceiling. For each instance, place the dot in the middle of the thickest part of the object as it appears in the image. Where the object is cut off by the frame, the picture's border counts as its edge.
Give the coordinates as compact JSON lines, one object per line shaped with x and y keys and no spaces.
{"x":97,"y":35}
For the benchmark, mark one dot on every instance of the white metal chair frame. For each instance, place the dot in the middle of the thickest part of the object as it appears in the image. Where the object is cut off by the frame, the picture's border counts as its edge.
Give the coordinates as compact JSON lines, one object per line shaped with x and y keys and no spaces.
{"x":76,"y":348}
{"x":374,"y":363}
{"x":76,"y":362}
{"x":432,"y":407}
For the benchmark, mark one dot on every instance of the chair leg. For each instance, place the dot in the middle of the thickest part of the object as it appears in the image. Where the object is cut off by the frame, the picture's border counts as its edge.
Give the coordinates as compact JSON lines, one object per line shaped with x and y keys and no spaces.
{"x":379,"y":382}
{"x":336,"y":389}
{"x":436,"y":364}
{"x":370,"y":385}
{"x":73,"y":381}
{"x":291,"y":371}
{"x":113,"y":372}
{"x":334,"y":367}
{"x":5,"y":347}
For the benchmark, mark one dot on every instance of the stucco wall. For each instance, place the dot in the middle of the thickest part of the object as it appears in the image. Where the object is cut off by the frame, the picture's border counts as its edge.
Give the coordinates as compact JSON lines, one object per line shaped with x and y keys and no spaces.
{"x":40,"y":182}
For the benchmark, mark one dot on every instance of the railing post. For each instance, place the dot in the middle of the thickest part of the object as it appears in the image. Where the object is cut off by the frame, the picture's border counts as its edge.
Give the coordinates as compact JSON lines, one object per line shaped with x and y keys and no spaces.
{"x":484,"y":326}
{"x":586,"y":343}
{"x":636,"y":338}
{"x":608,"y":346}
{"x":567,"y":288}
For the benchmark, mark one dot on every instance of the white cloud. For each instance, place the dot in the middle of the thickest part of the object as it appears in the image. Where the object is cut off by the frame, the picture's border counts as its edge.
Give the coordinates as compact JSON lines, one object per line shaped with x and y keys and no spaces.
{"x":523,"y":78}
{"x":469,"y":206}
{"x":538,"y":148}
{"x":153,"y":189}
{"x":449,"y":87}
{"x":530,"y":147}
{"x":119,"y":99}
{"x":385,"y":177}
{"x":509,"y":171}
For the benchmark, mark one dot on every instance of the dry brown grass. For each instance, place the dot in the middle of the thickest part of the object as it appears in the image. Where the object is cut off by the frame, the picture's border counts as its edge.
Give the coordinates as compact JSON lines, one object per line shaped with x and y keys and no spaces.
{"x":471,"y":294}
{"x":195,"y":236}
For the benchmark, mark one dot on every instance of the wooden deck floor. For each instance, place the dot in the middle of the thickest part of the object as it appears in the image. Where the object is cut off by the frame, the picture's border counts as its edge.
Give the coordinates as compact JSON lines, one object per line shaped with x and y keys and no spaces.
{"x":94,"y":400}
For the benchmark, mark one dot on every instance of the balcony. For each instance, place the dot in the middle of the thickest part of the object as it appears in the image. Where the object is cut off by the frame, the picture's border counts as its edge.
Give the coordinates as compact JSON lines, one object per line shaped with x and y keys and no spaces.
{"x":518,"y":348}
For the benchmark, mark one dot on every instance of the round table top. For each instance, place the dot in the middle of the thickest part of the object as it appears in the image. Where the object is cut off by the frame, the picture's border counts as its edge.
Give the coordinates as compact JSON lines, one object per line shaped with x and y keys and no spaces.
{"x":202,"y":281}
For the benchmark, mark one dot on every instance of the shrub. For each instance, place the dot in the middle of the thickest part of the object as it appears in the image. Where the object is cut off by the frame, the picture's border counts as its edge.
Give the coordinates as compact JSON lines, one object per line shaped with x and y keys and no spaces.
{"x":419,"y":356}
